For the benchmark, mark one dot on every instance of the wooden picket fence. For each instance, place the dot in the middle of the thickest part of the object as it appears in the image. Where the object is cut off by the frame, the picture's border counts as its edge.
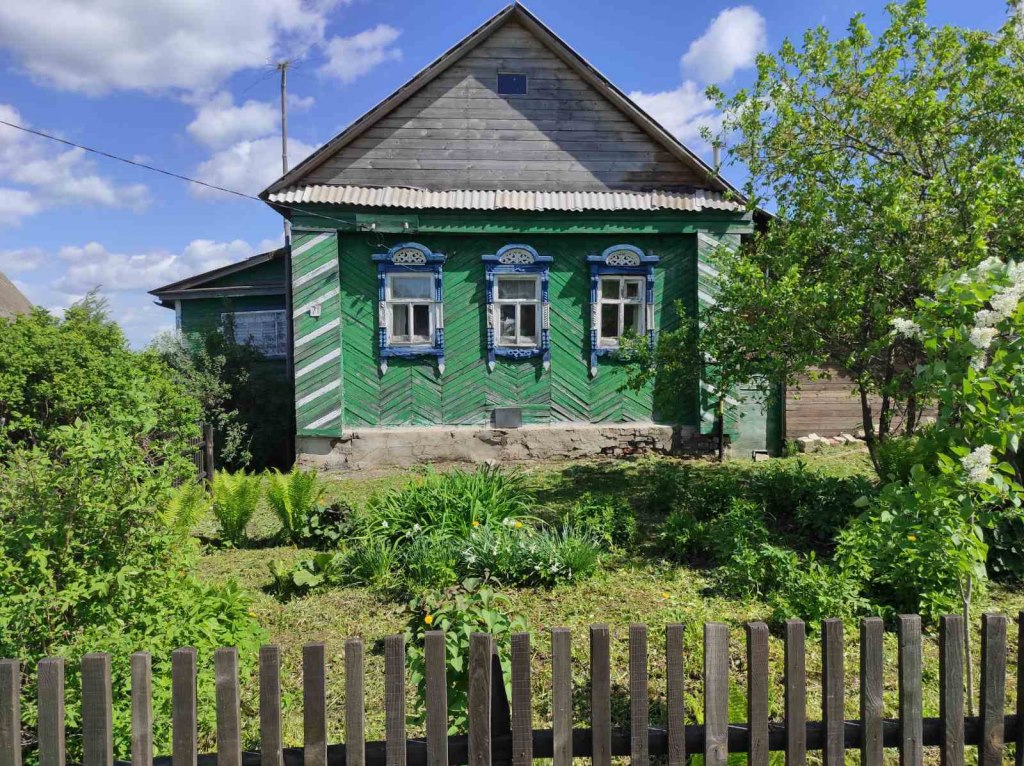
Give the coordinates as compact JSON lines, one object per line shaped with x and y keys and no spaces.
{"x":504,"y":734}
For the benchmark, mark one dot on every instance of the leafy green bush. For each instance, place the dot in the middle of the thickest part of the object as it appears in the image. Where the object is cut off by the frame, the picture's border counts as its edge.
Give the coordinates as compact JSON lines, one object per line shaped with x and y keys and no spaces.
{"x":235,"y":499}
{"x":326,"y":526}
{"x":609,"y":520}
{"x":458,"y":612}
{"x":88,"y":562}
{"x":292,"y":497}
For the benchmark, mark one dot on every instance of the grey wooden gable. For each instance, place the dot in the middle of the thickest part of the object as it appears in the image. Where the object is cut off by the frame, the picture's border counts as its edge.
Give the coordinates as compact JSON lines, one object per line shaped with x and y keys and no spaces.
{"x":450,"y":129}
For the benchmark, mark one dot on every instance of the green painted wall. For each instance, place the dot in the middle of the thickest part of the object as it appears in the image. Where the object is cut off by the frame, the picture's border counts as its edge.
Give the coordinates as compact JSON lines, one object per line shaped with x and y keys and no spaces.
{"x":413,"y":393}
{"x":203,"y":314}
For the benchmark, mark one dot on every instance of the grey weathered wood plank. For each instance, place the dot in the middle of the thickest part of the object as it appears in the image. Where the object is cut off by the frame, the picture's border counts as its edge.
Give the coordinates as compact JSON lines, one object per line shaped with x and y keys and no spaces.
{"x":184,"y":716}
{"x":796,"y":692}
{"x":757,"y":693}
{"x":522,"y":703}
{"x":229,"y":707}
{"x":911,"y":727}
{"x":675,"y":694}
{"x":993,"y":689}
{"x":561,"y":696}
{"x":355,"y":704}
{"x":639,"y":700}
{"x":314,"y":704}
{"x":394,"y":699}
{"x":142,"y":709}
{"x":479,"y":699}
{"x":271,"y":743}
{"x":97,"y":711}
{"x":951,"y":690}
{"x":10,"y":713}
{"x":716,"y":694}
{"x":832,"y":692}
{"x":50,"y":677}
{"x":435,"y":660}
{"x":872,"y":631}
{"x":600,"y":695}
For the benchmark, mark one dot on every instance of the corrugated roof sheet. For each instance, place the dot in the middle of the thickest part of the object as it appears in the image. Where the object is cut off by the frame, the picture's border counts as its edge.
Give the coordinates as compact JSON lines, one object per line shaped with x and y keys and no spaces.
{"x":498,"y":199}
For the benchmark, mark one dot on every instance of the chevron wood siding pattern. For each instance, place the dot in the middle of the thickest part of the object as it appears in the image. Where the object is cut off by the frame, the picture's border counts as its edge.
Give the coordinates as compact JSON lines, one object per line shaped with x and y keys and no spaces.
{"x":317,"y":339}
{"x":411,"y":393}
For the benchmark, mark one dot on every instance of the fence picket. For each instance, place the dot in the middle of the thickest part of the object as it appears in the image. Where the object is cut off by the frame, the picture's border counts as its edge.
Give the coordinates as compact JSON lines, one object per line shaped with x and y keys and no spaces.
{"x":142,"y":709}
{"x":355,"y":704}
{"x":10,"y":713}
{"x":796,"y":692}
{"x":561,"y":696}
{"x":479,"y":698}
{"x":270,"y":706}
{"x":951,"y":690}
{"x":675,"y":694}
{"x":51,"y":711}
{"x":832,"y":692}
{"x":522,"y":703}
{"x":716,"y":694}
{"x":871,"y":684}
{"x":993,"y":689}
{"x":639,"y":702}
{"x":184,"y":747}
{"x":757,"y":693}
{"x":600,"y":696}
{"x":434,"y":655}
{"x":394,"y":699}
{"x":314,"y":704}
{"x":911,"y":734}
{"x":97,"y":711}
{"x":229,"y":713}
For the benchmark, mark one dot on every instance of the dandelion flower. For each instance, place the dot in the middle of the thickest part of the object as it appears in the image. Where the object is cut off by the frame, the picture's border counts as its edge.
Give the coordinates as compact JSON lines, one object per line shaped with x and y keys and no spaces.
{"x":518,"y":524}
{"x":665,"y":594}
{"x":912,"y":538}
{"x":977,"y":464}
{"x":476,"y":523}
{"x":429,"y":619}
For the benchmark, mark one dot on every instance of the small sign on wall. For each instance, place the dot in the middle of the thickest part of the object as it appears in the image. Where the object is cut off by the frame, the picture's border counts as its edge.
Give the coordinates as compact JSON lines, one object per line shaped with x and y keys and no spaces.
{"x":314,"y":310}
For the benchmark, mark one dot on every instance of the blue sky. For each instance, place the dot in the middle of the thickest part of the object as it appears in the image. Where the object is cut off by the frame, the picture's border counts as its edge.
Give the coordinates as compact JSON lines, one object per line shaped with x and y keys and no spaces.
{"x":187,"y":86}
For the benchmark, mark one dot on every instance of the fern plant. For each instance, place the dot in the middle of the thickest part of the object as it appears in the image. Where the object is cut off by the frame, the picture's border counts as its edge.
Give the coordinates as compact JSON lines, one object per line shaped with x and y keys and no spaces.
{"x":185,"y":507}
{"x":293,"y":497}
{"x":235,"y":497}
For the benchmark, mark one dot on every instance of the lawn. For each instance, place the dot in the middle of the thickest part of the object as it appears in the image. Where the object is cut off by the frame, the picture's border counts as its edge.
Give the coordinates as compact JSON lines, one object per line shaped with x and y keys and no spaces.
{"x":633,"y":587}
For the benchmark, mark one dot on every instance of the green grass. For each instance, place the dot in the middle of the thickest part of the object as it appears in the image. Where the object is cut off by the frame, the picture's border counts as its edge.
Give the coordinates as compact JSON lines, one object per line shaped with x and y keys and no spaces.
{"x":628,"y":588}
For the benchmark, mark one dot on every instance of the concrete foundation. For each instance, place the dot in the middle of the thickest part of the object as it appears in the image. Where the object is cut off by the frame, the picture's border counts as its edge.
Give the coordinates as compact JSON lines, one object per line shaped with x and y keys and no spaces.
{"x":401,"y":447}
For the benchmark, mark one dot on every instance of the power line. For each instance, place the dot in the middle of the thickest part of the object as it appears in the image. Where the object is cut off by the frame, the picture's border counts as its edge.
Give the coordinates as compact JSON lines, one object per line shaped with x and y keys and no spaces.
{"x":172,"y":174}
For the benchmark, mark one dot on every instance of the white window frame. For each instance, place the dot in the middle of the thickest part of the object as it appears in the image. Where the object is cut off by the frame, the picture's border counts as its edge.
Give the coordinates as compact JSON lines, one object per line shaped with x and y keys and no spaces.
{"x":281,"y":326}
{"x":538,"y":307}
{"x":620,"y":302}
{"x":407,"y":339}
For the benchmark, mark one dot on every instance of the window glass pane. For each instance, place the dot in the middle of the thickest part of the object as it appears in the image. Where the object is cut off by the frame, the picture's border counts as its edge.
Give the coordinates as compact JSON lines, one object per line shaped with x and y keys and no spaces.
{"x":528,"y":322}
{"x":610,"y":289}
{"x":631,"y":318}
{"x":513,"y":288}
{"x":412,"y":286}
{"x":400,"y":321}
{"x":507,"y":324}
{"x":609,"y":320}
{"x":265,"y":330}
{"x":634,"y":289}
{"x":421,"y":322}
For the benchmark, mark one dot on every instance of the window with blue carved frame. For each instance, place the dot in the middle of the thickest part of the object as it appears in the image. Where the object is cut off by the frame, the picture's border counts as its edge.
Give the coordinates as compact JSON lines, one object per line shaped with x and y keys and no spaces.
{"x":621,"y":298}
{"x":411,"y":303}
{"x":517,"y":304}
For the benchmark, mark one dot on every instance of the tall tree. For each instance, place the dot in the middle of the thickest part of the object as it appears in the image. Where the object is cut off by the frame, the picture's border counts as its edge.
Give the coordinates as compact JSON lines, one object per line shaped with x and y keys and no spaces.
{"x":890,"y":161}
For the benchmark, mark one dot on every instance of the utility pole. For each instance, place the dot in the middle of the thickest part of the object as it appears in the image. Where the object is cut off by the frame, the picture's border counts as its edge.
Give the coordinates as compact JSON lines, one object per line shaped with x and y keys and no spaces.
{"x":282,"y":67}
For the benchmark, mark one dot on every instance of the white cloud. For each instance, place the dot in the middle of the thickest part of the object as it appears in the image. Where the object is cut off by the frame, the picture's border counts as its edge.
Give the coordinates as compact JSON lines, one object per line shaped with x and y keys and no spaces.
{"x":97,"y":47}
{"x":682,"y":112}
{"x":21,"y":260}
{"x":729,"y":44}
{"x":53,"y":176}
{"x":248,"y":166}
{"x":220,"y":123}
{"x":349,"y":58}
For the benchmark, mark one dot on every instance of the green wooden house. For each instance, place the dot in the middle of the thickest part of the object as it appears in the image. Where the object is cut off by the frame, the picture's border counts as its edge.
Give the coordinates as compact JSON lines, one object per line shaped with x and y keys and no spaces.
{"x":466,"y":256}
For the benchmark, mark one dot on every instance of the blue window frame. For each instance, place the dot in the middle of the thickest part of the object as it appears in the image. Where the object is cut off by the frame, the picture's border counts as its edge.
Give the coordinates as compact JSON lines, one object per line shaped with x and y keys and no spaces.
{"x":410,"y":317}
{"x":518,"y":313}
{"x":621,"y":298}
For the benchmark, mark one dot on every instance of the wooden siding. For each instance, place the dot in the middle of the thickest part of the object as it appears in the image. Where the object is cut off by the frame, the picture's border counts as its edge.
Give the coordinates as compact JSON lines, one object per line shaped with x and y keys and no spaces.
{"x":412,"y":393}
{"x":203,"y":314}
{"x":268,"y":273}
{"x":826,"y":407}
{"x":457,"y":132}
